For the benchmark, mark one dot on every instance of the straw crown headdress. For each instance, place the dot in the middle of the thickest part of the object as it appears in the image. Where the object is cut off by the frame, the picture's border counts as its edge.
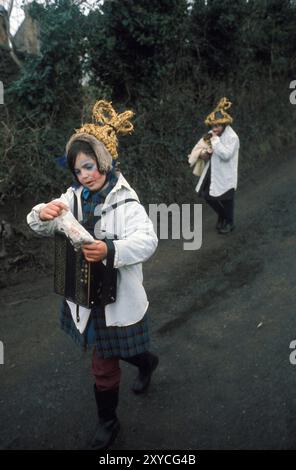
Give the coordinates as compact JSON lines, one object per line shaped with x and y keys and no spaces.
{"x":219,"y":115}
{"x":107,"y":124}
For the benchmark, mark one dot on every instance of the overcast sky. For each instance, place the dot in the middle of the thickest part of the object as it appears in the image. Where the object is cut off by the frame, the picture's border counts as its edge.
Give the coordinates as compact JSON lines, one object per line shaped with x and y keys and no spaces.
{"x":17,"y":14}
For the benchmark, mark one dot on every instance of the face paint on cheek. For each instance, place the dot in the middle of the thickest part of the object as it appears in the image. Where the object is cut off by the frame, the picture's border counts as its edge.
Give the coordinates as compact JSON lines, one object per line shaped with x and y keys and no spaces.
{"x":96,"y":173}
{"x":97,"y":180}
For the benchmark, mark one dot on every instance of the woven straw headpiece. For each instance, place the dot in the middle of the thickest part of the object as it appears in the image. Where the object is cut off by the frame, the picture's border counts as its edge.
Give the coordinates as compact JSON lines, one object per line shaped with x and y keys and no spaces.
{"x":107,"y":124}
{"x":219,"y":115}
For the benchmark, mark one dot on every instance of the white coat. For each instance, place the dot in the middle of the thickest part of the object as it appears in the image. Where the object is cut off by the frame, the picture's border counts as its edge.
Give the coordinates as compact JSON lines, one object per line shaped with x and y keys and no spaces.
{"x":136,"y":242}
{"x":224,"y":163}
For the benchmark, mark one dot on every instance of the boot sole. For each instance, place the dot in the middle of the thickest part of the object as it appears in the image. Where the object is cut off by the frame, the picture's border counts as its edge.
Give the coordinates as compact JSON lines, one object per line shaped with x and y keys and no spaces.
{"x":226,"y":233}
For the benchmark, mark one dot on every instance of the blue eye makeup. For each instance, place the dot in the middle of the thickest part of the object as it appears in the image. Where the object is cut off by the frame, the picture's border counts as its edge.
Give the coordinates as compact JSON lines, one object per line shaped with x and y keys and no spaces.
{"x":89,"y":166}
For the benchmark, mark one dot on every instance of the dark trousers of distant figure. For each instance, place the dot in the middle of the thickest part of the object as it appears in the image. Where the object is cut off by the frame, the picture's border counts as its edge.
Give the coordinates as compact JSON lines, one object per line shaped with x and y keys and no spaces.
{"x":223,"y":205}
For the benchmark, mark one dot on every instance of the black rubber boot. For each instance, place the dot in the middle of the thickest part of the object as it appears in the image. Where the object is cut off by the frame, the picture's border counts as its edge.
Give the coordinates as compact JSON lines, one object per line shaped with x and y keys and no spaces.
{"x":146,"y":363}
{"x":220,"y":223}
{"x":227,"y":228}
{"x":108,"y":424}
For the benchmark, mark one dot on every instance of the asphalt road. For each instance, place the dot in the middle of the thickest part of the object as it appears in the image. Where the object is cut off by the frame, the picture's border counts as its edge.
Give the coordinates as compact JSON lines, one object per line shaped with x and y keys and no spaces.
{"x":222,"y":319}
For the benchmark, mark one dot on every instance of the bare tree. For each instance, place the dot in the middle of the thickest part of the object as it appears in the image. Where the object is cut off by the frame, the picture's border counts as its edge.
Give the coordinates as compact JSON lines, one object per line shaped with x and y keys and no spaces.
{"x":6,"y":14}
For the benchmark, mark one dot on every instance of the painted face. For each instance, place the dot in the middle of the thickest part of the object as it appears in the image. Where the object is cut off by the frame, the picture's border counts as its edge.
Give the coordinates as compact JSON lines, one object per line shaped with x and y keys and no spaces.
{"x":218,"y":129}
{"x":87,"y":172}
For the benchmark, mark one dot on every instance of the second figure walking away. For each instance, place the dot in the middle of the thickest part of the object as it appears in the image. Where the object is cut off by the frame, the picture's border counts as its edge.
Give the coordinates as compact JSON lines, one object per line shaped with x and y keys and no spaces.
{"x":215,"y":160}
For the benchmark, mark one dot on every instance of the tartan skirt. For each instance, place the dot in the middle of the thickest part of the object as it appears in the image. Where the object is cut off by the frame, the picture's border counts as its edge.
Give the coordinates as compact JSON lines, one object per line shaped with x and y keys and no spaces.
{"x":109,"y":341}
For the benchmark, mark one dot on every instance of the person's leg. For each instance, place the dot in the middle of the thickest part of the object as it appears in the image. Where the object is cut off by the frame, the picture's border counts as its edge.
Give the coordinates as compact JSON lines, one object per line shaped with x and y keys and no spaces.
{"x":216,"y":205}
{"x":106,"y":372}
{"x":228,"y":207}
{"x":212,"y":202}
{"x":106,"y":388}
{"x":146,"y":363}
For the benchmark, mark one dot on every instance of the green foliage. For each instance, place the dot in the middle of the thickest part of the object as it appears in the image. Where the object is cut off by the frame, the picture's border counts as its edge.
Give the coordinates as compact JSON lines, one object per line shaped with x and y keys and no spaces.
{"x":134,"y":43}
{"x":51,"y":82}
{"x":268,"y":37}
{"x":44,"y":104}
{"x":215,"y":34}
{"x":168,"y":62}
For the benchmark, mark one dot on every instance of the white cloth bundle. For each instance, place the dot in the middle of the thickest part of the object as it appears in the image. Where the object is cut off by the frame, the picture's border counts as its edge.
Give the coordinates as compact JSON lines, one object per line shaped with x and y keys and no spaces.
{"x":194,"y":159}
{"x":74,"y":231}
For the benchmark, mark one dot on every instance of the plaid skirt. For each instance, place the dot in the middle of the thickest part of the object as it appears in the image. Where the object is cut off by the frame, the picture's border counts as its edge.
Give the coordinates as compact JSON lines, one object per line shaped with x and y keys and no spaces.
{"x":109,"y":341}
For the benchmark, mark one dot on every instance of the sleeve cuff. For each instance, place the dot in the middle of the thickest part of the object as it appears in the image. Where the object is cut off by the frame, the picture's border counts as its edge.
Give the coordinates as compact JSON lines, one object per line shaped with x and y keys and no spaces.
{"x":36,"y":211}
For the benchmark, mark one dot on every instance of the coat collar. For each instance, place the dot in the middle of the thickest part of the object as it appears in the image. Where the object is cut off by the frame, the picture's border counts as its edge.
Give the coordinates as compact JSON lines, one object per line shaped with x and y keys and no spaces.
{"x":121,"y":183}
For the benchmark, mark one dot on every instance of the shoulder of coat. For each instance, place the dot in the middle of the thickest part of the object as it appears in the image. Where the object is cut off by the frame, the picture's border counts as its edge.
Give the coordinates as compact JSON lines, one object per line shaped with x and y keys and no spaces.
{"x":231,"y":132}
{"x":123,"y":190}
